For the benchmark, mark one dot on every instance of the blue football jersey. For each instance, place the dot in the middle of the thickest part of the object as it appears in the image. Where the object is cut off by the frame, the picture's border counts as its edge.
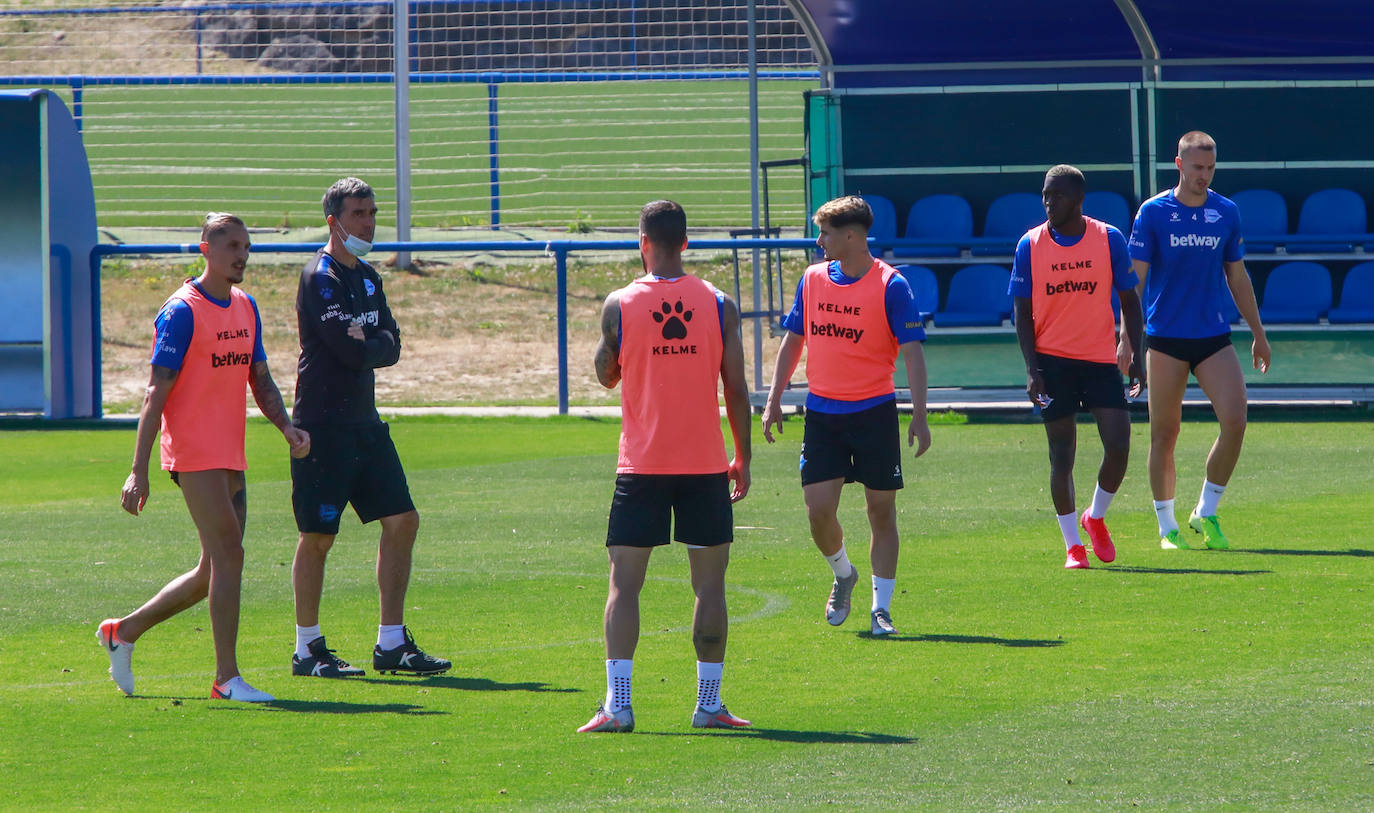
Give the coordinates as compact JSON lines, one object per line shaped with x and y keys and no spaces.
{"x":1186,"y":291}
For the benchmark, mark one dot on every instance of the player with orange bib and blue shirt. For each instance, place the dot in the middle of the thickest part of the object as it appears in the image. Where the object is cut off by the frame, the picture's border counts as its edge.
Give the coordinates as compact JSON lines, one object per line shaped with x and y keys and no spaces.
{"x":208,"y":350}
{"x":667,"y":338}
{"x":1061,"y":284}
{"x":1187,"y":249}
{"x":852,"y":313}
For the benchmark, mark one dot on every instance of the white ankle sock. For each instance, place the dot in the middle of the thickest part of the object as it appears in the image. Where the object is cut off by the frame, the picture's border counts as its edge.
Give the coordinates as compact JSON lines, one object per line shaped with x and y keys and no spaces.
{"x":390,"y":636}
{"x":839,"y":562}
{"x":1102,"y":500}
{"x":708,"y":685}
{"x":304,"y":635}
{"x":1068,"y":525}
{"x":1164,"y":514}
{"x":1207,"y":501}
{"x":618,"y":673}
{"x":882,"y":593}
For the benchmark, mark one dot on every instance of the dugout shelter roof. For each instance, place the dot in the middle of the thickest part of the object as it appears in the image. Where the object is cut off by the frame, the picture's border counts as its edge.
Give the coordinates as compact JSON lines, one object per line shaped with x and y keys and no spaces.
{"x":874,"y":43}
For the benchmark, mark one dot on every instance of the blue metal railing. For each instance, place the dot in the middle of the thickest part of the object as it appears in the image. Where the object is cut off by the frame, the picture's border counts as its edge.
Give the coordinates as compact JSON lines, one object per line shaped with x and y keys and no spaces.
{"x":559,"y":249}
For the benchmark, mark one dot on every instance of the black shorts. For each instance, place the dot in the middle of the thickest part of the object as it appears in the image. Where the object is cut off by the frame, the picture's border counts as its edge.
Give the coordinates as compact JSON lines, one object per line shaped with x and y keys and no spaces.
{"x":697,"y":504}
{"x":1193,"y":351}
{"x":862,"y":447}
{"x":355,"y":465}
{"x":1078,"y":385}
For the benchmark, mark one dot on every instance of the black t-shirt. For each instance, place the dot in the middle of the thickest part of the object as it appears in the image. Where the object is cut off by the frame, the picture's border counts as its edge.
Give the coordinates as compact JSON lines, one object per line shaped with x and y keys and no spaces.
{"x":334,"y":380}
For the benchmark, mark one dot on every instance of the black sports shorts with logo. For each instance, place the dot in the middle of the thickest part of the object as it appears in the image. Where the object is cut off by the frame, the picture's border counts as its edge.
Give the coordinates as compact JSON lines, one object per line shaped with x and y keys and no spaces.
{"x":863,"y":447}
{"x":1076,"y":385}
{"x":696,"y":505}
{"x":347,"y":465}
{"x":1193,"y":351}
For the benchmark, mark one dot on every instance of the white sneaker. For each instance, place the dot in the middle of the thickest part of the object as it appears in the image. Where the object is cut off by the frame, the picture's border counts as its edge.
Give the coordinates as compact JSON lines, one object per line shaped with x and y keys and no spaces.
{"x":121,"y":655}
{"x":236,"y":688}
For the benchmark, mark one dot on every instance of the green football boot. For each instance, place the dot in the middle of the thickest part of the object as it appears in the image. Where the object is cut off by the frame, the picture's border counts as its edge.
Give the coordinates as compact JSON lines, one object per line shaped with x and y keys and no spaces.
{"x":1210,"y":529}
{"x":1173,"y":540}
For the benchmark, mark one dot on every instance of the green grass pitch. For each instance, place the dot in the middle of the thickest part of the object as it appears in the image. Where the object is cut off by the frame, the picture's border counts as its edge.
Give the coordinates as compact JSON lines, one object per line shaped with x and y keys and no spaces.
{"x":569,"y":152}
{"x":1172,"y":679}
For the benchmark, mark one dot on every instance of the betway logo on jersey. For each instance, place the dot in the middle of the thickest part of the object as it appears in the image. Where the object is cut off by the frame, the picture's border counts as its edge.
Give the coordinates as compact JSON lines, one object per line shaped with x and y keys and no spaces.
{"x":230,"y":359}
{"x":837,"y":331}
{"x":1189,"y":240}
{"x":1072,"y":286}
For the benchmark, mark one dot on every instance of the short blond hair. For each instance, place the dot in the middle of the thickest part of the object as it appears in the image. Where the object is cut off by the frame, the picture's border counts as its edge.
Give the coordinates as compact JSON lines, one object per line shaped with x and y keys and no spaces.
{"x":1196,"y":140}
{"x":850,"y":210}
{"x":217,"y":223}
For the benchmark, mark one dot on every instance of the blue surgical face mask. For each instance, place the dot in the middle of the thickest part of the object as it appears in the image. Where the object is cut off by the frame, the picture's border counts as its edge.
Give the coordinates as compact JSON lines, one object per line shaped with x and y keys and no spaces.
{"x":356,"y":246}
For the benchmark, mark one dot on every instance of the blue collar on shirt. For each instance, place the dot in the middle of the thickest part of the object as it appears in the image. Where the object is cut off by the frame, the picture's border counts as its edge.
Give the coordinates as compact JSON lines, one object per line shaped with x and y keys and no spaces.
{"x":223,"y":303}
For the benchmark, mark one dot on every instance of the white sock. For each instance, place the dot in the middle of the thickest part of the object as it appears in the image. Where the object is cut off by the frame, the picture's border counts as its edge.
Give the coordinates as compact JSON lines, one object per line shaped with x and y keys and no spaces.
{"x":708,"y":685}
{"x":618,"y":684}
{"x":1211,"y":495}
{"x":839,"y":562}
{"x":882,"y":593}
{"x":1068,"y":525}
{"x":1164,"y":513}
{"x":304,"y":635}
{"x":390,"y":636}
{"x":1102,"y":500}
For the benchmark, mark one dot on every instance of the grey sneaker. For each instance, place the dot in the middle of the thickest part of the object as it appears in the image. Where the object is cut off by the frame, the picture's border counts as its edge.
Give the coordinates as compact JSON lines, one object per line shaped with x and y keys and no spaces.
{"x":882,"y":623}
{"x":837,"y":606}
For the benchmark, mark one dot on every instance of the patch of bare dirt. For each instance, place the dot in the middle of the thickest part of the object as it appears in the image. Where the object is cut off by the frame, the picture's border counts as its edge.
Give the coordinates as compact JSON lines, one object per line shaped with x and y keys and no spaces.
{"x":469,"y":335}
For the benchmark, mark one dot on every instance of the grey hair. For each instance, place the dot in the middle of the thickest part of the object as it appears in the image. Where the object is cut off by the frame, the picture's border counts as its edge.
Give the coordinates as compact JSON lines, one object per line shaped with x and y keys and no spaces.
{"x":333,"y":200}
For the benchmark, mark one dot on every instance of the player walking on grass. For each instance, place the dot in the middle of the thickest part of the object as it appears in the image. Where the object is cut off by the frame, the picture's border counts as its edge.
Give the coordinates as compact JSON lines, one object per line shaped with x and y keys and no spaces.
{"x":852,"y":313}
{"x":1187,"y":249}
{"x":208,"y":347}
{"x":667,"y":338}
{"x":1061,"y":282}
{"x":346,"y":331}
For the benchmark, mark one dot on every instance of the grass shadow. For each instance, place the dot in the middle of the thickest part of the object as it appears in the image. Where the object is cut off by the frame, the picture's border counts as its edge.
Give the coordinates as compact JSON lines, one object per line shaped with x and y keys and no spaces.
{"x":1359,"y":552}
{"x":789,"y":735}
{"x":1170,"y":571}
{"x":334,"y":707}
{"x":943,"y":638}
{"x":467,"y":684}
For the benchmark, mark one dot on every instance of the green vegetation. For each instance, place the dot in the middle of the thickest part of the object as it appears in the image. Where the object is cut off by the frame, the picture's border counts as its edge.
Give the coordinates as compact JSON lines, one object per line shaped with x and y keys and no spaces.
{"x":1171,"y":679}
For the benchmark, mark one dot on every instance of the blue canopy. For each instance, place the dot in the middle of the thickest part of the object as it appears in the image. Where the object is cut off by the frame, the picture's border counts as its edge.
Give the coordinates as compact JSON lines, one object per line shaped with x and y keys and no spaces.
{"x":916,"y":42}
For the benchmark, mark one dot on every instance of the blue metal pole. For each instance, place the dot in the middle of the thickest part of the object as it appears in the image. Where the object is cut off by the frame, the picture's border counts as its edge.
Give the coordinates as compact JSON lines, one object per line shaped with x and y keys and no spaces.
{"x":561,"y":259}
{"x":97,"y":387}
{"x":196,"y":25}
{"x":77,"y":96}
{"x":494,"y":152}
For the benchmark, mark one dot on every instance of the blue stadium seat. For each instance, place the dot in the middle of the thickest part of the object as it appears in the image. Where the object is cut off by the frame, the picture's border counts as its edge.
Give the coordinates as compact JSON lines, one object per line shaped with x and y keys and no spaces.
{"x":1262,"y":212}
{"x":1296,"y":293}
{"x":884,"y":218}
{"x":938,"y":217}
{"x":977,"y":297}
{"x":1011,"y":216}
{"x":924,"y":286}
{"x":1331,"y":211}
{"x":1110,"y":208}
{"x":1357,"y":297}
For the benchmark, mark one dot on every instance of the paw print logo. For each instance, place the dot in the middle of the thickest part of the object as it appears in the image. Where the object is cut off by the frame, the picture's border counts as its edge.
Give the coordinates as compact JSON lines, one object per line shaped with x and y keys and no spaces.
{"x":673,"y":318}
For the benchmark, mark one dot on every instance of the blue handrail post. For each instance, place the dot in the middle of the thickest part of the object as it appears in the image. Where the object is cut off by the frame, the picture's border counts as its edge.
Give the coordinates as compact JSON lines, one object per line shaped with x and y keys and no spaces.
{"x":494,"y":151}
{"x":77,"y":84}
{"x":561,"y":261}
